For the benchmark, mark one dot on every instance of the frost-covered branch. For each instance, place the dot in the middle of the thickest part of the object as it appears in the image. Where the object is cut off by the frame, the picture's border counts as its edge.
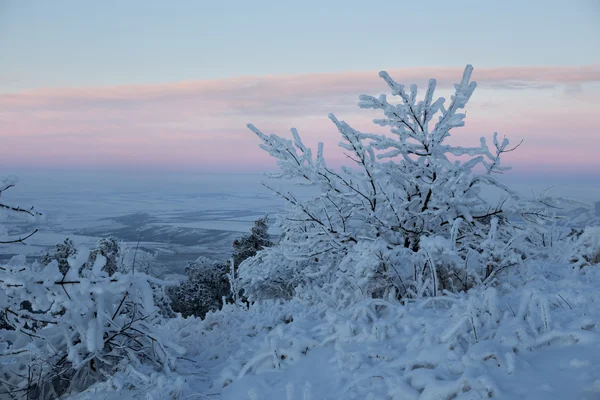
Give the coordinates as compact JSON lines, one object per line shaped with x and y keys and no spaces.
{"x":82,"y":321}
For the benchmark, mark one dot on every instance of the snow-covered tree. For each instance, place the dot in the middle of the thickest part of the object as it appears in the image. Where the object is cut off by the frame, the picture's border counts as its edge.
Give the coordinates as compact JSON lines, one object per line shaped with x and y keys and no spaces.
{"x":209,"y":282}
{"x":110,"y":249}
{"x":203,"y":290}
{"x":248,"y":245}
{"x":61,"y":254}
{"x":407,"y":218}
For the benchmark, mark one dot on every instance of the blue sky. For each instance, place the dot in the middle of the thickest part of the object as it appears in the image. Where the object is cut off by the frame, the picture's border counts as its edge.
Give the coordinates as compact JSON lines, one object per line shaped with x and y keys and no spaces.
{"x":170,"y":85}
{"x":71,"y":43}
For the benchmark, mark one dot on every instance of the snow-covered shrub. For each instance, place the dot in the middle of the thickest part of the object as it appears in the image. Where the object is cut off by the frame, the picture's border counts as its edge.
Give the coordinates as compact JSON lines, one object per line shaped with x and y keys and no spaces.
{"x":407,"y":218}
{"x":267,"y":276}
{"x":61,"y":254}
{"x":203,"y":291}
{"x":10,"y":210}
{"x":478,"y":344}
{"x":209,"y":282}
{"x":248,"y":245}
{"x":71,"y":330}
{"x":584,"y":248}
{"x":110,"y":249}
{"x":119,"y":258}
{"x":132,"y":259}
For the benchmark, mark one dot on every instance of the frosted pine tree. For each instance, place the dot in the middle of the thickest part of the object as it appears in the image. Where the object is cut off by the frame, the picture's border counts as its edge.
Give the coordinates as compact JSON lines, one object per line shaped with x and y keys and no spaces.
{"x":111,"y":250}
{"x":61,"y":254}
{"x":203,"y":290}
{"x":209,"y":282}
{"x":248,"y":245}
{"x":406,"y":218}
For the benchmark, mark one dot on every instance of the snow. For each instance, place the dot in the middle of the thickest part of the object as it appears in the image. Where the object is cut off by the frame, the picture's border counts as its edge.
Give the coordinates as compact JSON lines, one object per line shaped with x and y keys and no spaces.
{"x":384,"y":350}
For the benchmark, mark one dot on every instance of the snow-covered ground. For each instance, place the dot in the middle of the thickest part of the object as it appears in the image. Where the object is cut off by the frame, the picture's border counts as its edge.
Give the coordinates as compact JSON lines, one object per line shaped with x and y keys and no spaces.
{"x":535,"y":337}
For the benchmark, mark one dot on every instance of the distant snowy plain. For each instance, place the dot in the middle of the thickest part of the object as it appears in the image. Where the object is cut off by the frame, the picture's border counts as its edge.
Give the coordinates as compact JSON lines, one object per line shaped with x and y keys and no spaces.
{"x":179,"y":217}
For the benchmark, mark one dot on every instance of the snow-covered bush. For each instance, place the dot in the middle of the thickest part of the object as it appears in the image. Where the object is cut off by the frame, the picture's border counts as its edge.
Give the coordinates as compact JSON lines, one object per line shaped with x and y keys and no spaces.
{"x":584,"y":248}
{"x":407,"y":218}
{"x":71,"y":330}
{"x":132,"y":259}
{"x":119,"y":258}
{"x":203,"y":291}
{"x":75,"y":319}
{"x":110,"y":249}
{"x":267,"y":276}
{"x":209,"y":282}
{"x":61,"y":254}
{"x":534,"y":337}
{"x":9,"y":210}
{"x":248,"y":245}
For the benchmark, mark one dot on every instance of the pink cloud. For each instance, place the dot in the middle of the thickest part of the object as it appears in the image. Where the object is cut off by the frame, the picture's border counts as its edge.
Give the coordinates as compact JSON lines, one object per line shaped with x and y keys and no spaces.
{"x":201,"y":124}
{"x":248,"y":91}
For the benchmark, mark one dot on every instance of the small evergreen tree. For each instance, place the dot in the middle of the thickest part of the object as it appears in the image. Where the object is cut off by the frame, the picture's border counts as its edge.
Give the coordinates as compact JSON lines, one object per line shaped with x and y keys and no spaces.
{"x":208,"y":282}
{"x":204,"y":289}
{"x":248,"y":245}
{"x":61,"y":254}
{"x":109,"y":248}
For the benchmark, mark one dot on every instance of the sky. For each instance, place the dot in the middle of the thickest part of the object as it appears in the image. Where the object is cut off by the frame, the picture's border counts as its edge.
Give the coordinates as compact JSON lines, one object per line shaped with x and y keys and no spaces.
{"x":169,"y":86}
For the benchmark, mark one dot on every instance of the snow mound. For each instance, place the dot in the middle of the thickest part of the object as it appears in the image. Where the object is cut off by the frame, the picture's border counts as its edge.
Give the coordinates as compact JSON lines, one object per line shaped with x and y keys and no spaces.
{"x":537,"y":340}
{"x":535,"y":337}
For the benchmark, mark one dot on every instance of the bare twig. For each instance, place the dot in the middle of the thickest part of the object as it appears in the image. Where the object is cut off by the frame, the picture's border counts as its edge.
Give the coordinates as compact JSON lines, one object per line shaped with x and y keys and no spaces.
{"x":19,"y":240}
